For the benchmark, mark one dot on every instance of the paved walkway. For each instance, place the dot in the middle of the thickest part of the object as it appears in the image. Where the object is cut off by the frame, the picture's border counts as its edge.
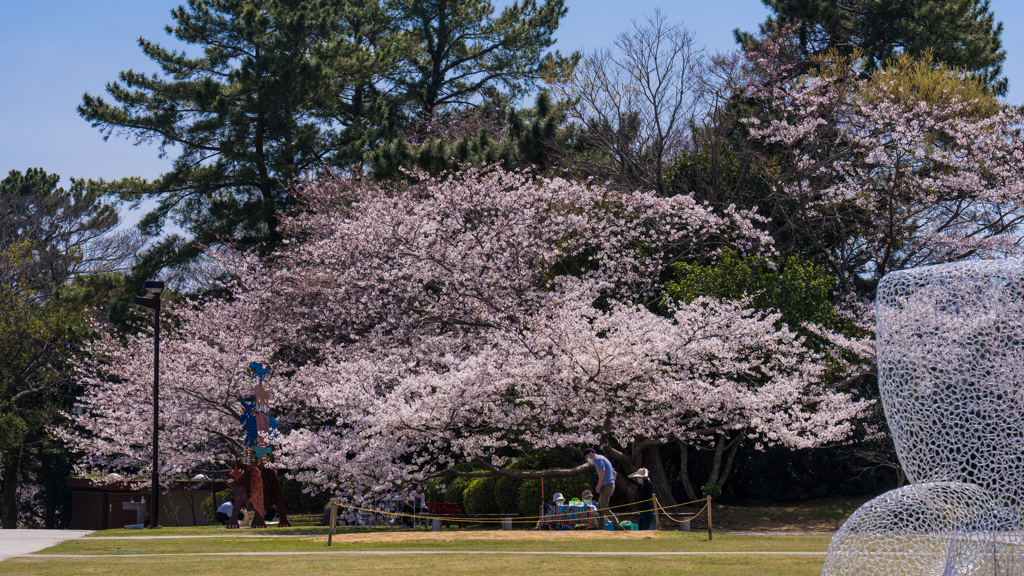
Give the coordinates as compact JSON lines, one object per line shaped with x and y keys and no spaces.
{"x":19,"y":542}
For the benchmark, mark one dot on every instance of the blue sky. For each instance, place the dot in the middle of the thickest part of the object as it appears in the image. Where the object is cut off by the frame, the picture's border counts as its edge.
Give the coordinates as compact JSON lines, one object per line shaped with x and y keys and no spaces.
{"x":52,"y":51}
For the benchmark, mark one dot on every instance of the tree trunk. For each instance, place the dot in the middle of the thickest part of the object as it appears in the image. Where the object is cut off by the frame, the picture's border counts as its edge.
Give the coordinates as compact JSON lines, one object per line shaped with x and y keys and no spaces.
{"x":656,"y":475}
{"x":51,"y":493}
{"x":725,"y":453}
{"x":684,"y":470}
{"x":11,"y":476}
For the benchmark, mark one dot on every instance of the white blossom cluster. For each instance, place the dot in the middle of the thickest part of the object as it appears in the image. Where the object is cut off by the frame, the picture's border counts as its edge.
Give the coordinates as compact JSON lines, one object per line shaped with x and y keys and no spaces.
{"x":466,"y":317}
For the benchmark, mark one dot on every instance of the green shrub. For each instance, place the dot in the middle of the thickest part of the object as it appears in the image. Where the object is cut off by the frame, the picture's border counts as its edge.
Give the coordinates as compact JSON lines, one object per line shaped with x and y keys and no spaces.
{"x":530,"y":498}
{"x":711,"y":490}
{"x":479,"y":497}
{"x":207,"y":505}
{"x":506,"y":494}
{"x":455,"y":490}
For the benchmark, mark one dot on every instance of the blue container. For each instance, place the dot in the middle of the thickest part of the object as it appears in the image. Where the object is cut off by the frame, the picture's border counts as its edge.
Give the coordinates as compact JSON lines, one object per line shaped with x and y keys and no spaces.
{"x":609,"y":526}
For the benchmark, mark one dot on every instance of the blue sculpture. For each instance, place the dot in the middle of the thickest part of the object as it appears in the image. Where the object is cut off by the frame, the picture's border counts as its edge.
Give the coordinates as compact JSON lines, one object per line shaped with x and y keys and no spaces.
{"x":248,"y":422}
{"x":259,"y":371}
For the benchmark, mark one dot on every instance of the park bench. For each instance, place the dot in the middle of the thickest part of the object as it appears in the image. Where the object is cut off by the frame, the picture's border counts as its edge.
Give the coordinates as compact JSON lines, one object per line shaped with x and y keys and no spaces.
{"x":436,"y":519}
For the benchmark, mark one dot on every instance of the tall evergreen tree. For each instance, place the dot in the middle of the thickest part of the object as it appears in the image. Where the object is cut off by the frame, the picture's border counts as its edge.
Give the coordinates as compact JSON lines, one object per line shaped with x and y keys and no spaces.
{"x":460,"y":49}
{"x":281,"y":86}
{"x":54,"y":244}
{"x":961,"y":33}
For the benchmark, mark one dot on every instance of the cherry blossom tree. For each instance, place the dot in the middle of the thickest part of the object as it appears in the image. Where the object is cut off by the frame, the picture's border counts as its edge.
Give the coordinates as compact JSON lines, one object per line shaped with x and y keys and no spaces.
{"x":880,"y":174}
{"x":468,"y":317}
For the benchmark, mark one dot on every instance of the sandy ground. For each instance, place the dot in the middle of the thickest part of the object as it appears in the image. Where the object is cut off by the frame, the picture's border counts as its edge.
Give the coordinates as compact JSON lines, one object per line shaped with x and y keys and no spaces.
{"x":490,"y":535}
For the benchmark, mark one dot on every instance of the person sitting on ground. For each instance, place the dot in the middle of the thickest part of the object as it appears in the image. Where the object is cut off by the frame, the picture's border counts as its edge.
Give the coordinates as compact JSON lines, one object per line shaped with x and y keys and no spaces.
{"x":645,"y":497}
{"x":605,"y":485}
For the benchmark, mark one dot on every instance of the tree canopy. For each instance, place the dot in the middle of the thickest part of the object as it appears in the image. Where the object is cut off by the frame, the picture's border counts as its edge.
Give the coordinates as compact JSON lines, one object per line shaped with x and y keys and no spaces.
{"x":961,"y":33}
{"x":283,"y":87}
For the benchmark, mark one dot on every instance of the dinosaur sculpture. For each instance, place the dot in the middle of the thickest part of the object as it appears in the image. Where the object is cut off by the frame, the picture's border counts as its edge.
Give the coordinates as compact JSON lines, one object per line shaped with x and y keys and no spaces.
{"x":259,"y":487}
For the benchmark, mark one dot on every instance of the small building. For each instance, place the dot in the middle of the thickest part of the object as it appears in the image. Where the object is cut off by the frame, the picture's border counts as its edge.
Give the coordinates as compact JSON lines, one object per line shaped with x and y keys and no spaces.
{"x":101,"y":505}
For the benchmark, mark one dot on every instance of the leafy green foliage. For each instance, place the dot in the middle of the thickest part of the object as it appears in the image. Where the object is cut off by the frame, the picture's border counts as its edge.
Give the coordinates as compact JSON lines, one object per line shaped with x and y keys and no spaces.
{"x":460,"y":50}
{"x":478,"y":497}
{"x":515,"y":138}
{"x":711,"y":490}
{"x":36,"y":342}
{"x":799,"y":290}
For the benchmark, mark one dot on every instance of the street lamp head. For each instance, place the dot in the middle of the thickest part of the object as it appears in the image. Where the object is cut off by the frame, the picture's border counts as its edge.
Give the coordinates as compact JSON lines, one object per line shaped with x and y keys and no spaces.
{"x":154,"y":286}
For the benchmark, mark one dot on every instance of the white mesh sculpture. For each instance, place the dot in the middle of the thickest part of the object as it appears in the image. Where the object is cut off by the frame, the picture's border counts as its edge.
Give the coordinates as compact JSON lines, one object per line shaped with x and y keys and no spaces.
{"x":950,"y":342}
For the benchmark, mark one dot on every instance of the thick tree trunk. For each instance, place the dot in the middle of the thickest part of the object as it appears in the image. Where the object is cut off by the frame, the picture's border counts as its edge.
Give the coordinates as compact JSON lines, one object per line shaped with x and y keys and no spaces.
{"x":684,"y":470}
{"x":11,"y":464}
{"x":656,"y":472}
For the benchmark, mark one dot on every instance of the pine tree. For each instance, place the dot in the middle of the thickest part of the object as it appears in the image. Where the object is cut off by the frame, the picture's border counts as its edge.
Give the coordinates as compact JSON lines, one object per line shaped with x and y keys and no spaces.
{"x":460,"y":49}
{"x":280,"y":87}
{"x":496,"y":133}
{"x":960,"y":33}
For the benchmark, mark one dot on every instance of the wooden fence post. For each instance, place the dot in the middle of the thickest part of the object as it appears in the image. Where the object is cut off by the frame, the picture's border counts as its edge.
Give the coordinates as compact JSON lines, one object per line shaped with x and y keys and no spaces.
{"x":334,"y":518}
{"x":657,"y":517}
{"x":711,"y":535}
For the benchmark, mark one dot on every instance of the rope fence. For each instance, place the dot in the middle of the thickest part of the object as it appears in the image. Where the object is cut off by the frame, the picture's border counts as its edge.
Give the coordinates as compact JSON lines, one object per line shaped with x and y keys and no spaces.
{"x":517,"y":519}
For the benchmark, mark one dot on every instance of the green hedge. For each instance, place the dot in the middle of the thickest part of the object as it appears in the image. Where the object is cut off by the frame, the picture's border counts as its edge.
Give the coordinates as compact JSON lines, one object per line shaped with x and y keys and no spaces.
{"x":478,"y":498}
{"x":506,"y":494}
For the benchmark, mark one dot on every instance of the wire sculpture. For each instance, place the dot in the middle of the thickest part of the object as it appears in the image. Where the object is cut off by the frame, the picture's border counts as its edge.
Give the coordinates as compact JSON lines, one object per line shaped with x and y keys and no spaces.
{"x":950,"y":342}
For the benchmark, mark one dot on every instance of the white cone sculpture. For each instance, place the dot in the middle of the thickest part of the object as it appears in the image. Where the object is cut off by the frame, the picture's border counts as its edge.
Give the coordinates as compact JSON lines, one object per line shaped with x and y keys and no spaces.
{"x":950,"y":342}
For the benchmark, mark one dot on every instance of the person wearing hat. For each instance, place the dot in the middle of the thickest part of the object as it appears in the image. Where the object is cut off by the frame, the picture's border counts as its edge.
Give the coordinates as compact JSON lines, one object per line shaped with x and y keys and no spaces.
{"x":645,"y":497}
{"x":605,"y":484}
{"x":550,"y":513}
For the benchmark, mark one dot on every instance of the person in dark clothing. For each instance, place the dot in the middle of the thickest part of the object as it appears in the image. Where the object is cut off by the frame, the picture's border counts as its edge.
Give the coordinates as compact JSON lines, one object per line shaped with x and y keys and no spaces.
{"x":645,"y":497}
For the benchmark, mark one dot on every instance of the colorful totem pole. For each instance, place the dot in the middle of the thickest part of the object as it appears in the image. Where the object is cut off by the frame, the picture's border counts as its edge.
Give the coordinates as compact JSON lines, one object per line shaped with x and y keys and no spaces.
{"x":252,"y":481}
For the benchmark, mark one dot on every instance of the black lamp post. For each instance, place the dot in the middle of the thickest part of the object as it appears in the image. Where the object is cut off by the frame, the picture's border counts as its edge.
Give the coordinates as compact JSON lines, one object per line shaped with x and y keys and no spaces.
{"x":154,"y":287}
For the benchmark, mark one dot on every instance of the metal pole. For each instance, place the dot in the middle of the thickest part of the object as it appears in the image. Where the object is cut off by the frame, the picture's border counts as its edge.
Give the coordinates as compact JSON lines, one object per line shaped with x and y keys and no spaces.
{"x":711,"y":536}
{"x":154,"y":520}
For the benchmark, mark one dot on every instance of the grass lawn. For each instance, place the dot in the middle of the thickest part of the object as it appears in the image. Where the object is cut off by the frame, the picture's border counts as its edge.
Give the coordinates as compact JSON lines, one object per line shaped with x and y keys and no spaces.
{"x":425,"y":564}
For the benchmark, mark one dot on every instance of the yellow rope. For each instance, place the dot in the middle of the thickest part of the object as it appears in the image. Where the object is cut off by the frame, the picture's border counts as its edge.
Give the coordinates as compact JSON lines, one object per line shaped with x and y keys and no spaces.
{"x":510,"y":519}
{"x":460,"y":519}
{"x":529,"y":519}
{"x":691,"y":517}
